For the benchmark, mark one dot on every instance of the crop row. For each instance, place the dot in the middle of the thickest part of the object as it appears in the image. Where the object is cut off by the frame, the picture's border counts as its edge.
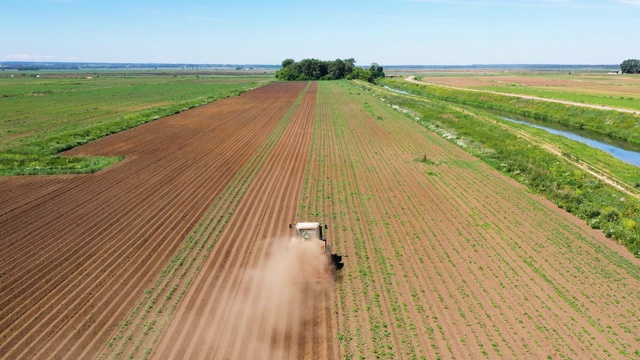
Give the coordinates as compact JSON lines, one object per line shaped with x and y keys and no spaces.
{"x":140,"y":331}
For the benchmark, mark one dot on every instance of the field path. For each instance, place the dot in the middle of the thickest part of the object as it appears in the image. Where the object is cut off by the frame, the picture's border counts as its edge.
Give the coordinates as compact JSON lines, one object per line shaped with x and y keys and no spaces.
{"x":412,"y":79}
{"x":599,"y":173}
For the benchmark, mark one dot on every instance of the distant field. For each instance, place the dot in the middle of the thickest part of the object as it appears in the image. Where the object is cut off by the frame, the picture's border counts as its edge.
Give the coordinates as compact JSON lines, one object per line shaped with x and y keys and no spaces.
{"x":41,"y":115}
{"x":32,"y":108}
{"x":598,"y":89}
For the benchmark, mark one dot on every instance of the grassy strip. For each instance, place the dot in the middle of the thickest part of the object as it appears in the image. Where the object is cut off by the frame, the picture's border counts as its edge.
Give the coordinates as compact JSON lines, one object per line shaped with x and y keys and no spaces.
{"x":625,"y":102}
{"x":571,"y":188}
{"x":30,"y":164}
{"x":41,"y":157}
{"x":141,"y":330}
{"x":616,"y":124}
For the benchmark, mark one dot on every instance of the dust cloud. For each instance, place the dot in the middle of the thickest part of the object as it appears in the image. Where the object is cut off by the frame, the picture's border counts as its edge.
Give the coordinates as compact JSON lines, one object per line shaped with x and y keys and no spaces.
{"x":273,"y":302}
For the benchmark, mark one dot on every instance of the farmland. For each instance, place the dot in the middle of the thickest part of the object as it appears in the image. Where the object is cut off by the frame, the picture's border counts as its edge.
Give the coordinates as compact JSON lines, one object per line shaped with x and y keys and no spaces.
{"x":622,"y":91}
{"x":180,"y":249}
{"x":566,"y":172}
{"x":41,"y":116}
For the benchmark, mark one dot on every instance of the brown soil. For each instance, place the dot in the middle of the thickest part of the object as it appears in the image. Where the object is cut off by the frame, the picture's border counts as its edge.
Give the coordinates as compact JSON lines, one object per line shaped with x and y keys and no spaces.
{"x":533,"y":81}
{"x":612,"y":85}
{"x":232,"y":313}
{"x":78,"y":251}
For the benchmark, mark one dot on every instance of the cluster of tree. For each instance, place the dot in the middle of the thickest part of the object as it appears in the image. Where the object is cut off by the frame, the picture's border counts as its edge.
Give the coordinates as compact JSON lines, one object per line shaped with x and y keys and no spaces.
{"x":314,"y":69}
{"x":631,"y":66}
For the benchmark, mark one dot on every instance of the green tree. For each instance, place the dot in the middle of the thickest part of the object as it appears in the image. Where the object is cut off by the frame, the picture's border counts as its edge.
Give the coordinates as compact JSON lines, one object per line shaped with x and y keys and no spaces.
{"x":376,"y":71}
{"x":314,"y":69}
{"x":287,"y":62}
{"x":349,"y":64}
{"x":361,"y":74}
{"x":630,"y":66}
{"x":337,"y":69}
{"x":289,"y":72}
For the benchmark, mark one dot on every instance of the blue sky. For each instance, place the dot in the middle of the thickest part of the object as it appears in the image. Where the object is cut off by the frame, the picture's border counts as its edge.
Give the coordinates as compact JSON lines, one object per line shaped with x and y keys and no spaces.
{"x":430,"y":32}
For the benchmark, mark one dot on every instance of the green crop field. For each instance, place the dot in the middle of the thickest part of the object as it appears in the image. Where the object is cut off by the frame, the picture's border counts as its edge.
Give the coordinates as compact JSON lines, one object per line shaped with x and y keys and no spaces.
{"x":438,"y":267}
{"x":42,"y":116}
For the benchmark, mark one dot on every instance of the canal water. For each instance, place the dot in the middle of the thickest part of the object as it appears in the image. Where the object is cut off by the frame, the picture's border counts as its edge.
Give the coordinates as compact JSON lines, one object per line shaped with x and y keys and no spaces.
{"x":396,"y":90}
{"x":625,"y":152}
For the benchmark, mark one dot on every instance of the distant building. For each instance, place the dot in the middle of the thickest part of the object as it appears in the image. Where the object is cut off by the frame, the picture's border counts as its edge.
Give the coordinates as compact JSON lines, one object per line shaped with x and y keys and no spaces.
{"x":615,"y":72}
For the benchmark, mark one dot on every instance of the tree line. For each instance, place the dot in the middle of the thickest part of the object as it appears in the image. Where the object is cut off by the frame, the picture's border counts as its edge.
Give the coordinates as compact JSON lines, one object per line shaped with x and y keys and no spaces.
{"x":314,"y":69}
{"x":631,"y":66}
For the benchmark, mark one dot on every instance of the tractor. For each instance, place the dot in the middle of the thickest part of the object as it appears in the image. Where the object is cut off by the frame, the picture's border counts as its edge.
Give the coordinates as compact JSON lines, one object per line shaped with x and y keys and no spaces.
{"x":312,"y":232}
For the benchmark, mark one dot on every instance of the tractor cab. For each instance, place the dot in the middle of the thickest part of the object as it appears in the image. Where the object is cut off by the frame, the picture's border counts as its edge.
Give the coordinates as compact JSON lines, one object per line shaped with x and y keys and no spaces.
{"x":309,"y":231}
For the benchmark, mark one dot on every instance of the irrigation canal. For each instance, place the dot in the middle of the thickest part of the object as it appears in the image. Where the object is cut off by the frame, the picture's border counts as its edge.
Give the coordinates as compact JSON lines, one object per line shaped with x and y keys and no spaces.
{"x":624,"y":152}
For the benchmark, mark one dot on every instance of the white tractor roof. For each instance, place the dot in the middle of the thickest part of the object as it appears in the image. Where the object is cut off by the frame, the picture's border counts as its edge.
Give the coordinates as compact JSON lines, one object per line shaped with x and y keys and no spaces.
{"x":307,"y":225}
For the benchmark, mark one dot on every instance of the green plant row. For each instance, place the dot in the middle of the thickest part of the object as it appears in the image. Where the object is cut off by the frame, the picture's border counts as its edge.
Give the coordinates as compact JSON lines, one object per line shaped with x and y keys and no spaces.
{"x":616,"y":124}
{"x":571,"y":188}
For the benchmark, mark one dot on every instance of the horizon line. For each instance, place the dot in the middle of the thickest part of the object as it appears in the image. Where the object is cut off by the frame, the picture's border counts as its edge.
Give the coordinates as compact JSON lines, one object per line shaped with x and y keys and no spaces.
{"x":267,"y":64}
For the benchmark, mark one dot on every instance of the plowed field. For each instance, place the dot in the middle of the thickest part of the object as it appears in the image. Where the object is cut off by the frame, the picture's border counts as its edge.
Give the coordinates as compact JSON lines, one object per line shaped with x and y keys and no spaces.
{"x":181,"y":250}
{"x":78,"y":251}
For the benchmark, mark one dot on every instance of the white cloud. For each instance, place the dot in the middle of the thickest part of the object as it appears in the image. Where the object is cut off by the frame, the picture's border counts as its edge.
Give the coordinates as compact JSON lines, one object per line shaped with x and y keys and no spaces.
{"x":27,"y":57}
